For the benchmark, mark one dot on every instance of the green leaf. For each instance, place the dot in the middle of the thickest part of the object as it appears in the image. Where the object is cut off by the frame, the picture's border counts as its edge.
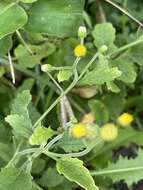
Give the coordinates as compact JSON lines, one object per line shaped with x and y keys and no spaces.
{"x":51,"y":178}
{"x":123,"y":170}
{"x":136,"y":54}
{"x":21,"y":126}
{"x":100,"y":76}
{"x":19,"y":118}
{"x":103,"y":34}
{"x":25,"y":60}
{"x":12,"y":17}
{"x":128,"y":70}
{"x":111,"y":100}
{"x":5,"y":45}
{"x":26,"y":85}
{"x":112,"y":87}
{"x":5,"y":152}
{"x":38,"y":166}
{"x":56,"y":18}
{"x":64,"y":75}
{"x":20,"y":103}
{"x":2,"y":71}
{"x":69,"y":144}
{"x":14,"y":179}
{"x":43,"y":50}
{"x":100,"y":111}
{"x":41,"y":135}
{"x":73,"y":170}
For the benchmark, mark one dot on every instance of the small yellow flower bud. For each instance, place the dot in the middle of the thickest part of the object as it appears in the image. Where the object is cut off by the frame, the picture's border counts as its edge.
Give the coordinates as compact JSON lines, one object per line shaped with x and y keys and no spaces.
{"x":88,"y":118}
{"x":79,"y":130}
{"x":82,"y":33}
{"x":80,"y":50}
{"x":109,"y":132}
{"x":125,"y":119}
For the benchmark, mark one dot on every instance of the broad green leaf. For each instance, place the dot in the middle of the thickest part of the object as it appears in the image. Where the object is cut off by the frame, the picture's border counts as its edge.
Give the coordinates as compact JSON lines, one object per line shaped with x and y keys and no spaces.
{"x":136,"y":54}
{"x":41,"y":135}
{"x":33,"y":113}
{"x":12,"y":17}
{"x":26,"y":85}
{"x":100,"y":111}
{"x":100,"y":76}
{"x":56,"y":18}
{"x":112,"y":87}
{"x":51,"y":178}
{"x":20,"y":104}
{"x":103,"y":34}
{"x":5,"y":132}
{"x":19,"y":118}
{"x":5,"y":152}
{"x":21,"y":125}
{"x":69,"y":144}
{"x":113,"y":100}
{"x":14,"y":179}
{"x":2,"y":71}
{"x":43,"y":50}
{"x":64,"y":75}
{"x":128,"y":70}
{"x":73,"y":170}
{"x":38,"y":165}
{"x":5,"y":45}
{"x":129,"y":170}
{"x":25,"y":60}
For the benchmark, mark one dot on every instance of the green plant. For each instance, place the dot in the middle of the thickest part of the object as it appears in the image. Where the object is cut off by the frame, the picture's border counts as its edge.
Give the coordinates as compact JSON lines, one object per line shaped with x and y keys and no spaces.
{"x":66,"y":65}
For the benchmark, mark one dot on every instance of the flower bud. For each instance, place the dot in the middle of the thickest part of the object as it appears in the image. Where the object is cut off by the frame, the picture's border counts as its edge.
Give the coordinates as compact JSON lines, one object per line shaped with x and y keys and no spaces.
{"x":82,"y":32}
{"x":125,"y":119}
{"x":109,"y":132}
{"x":46,"y":67}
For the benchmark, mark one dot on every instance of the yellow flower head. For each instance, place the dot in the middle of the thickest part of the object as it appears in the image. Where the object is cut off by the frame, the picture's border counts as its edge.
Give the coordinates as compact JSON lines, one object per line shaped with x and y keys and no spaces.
{"x":79,"y":130}
{"x":109,"y":132}
{"x":125,"y":119}
{"x":80,"y":50}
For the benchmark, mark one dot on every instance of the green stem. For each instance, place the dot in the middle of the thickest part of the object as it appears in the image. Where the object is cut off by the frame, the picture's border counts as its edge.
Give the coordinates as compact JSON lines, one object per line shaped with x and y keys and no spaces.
{"x":125,"y":12}
{"x":27,"y":151}
{"x":60,"y":68}
{"x":59,"y":98}
{"x":123,"y":48}
{"x":78,"y":154}
{"x":96,"y":173}
{"x":15,"y":156}
{"x":75,"y":80}
{"x":52,"y":142}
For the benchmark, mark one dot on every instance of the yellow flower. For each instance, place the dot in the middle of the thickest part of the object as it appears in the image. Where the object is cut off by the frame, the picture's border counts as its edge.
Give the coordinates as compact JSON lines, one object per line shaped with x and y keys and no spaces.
{"x":80,"y":50}
{"x":109,"y":132}
{"x":79,"y":130}
{"x":125,"y":119}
